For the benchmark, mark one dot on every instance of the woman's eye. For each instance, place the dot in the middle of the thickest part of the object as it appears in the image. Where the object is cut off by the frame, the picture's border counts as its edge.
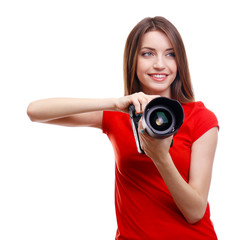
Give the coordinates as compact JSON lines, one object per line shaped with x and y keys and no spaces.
{"x":171,"y":54}
{"x":147,"y":54}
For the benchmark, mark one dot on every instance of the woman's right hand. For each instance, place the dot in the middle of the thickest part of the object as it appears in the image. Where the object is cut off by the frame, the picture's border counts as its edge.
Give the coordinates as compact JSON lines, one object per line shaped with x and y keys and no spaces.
{"x":139,"y":100}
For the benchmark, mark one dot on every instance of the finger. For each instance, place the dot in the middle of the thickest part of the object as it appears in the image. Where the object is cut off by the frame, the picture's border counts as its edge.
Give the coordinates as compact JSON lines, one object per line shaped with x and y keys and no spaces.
{"x":140,"y":127}
{"x":137,"y":106}
{"x":141,"y":130}
{"x":140,"y":100}
{"x":146,"y":99}
{"x":135,"y":98}
{"x":144,"y":102}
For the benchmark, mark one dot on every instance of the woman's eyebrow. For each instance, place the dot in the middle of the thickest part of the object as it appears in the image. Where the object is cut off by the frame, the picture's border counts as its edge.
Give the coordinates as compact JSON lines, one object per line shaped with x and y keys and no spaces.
{"x":149,"y":48}
{"x":169,"y":49}
{"x":153,"y":49}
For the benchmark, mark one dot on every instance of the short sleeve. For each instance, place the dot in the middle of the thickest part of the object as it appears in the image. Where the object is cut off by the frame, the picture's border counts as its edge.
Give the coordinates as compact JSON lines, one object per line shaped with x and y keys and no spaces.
{"x":107,"y":115}
{"x":110,"y":121}
{"x":104,"y":122}
{"x":204,"y":120}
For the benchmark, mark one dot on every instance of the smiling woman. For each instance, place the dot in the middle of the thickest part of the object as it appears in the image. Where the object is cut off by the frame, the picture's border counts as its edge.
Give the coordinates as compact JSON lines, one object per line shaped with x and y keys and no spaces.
{"x":163,"y":193}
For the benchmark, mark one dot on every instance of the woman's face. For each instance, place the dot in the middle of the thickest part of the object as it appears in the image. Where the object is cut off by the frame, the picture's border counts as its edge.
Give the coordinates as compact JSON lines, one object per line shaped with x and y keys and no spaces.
{"x":156,"y":64}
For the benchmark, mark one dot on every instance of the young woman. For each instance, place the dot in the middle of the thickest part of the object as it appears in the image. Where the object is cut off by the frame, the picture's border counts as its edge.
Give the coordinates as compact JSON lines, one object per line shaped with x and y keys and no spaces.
{"x":163,"y":193}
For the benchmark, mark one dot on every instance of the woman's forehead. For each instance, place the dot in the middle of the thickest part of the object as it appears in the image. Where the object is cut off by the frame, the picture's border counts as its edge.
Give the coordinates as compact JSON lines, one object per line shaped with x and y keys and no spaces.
{"x":155,"y":39}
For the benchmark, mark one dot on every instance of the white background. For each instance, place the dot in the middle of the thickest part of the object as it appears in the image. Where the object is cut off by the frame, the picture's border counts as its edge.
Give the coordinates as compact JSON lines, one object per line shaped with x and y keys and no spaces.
{"x":58,"y":182}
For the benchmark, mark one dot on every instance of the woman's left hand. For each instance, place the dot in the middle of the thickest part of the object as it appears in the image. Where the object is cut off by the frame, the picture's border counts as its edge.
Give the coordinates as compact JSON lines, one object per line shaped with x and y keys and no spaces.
{"x":154,"y":148}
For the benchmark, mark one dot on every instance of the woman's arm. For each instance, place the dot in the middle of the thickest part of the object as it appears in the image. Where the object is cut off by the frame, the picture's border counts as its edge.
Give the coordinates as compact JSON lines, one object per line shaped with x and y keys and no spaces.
{"x":191,"y":198}
{"x":81,"y":111}
{"x":69,"y":111}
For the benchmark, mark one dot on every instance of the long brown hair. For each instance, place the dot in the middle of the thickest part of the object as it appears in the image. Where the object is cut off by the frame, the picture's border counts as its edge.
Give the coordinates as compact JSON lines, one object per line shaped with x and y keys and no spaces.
{"x":181,"y":88}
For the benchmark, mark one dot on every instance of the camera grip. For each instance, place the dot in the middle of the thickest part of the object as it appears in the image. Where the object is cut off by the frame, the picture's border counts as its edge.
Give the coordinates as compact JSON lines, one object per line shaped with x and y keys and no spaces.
{"x":134,"y":122}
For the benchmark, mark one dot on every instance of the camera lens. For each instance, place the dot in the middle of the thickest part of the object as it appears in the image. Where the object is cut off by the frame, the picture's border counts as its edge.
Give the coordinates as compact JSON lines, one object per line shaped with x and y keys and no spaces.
{"x":160,"y":119}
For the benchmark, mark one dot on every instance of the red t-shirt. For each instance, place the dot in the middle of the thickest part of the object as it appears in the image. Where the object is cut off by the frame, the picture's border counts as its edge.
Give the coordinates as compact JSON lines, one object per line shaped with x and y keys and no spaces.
{"x":145,"y":209}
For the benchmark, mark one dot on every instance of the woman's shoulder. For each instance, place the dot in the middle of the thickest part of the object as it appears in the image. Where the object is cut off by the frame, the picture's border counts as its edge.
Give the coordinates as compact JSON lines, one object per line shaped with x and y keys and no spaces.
{"x":197,"y":109}
{"x":199,"y":118}
{"x":193,"y":105}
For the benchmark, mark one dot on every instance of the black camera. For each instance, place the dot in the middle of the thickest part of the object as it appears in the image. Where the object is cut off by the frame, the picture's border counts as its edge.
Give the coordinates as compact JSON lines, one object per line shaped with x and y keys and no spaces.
{"x":161,"y":118}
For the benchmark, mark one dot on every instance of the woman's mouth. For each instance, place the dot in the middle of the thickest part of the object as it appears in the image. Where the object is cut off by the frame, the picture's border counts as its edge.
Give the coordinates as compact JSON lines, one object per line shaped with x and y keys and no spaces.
{"x":158,"y":76}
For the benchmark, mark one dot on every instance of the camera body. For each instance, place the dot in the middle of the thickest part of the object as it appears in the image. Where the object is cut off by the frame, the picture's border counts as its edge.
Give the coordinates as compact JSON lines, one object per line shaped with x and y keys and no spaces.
{"x":161,"y":118}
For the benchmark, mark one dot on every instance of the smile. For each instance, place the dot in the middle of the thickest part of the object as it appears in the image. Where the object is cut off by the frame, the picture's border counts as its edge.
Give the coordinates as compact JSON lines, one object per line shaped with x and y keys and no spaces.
{"x":158,"y":77}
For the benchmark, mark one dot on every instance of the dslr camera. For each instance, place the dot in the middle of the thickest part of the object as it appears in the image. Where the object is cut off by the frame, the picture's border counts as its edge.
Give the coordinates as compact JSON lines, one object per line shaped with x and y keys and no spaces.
{"x":161,"y":118}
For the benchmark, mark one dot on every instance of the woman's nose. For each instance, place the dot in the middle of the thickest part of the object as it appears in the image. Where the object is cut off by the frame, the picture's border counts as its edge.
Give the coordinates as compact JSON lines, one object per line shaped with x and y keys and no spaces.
{"x":159,"y":63}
